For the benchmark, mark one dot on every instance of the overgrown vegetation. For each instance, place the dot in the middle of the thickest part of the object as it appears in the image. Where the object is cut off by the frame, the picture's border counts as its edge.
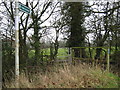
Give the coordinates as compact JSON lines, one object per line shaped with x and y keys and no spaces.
{"x":49,"y":34}
{"x":67,"y":76}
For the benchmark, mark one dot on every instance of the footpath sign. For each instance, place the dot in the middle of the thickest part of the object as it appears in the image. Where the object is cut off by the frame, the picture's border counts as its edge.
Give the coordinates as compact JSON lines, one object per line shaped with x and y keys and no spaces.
{"x":18,"y":7}
{"x":24,"y":8}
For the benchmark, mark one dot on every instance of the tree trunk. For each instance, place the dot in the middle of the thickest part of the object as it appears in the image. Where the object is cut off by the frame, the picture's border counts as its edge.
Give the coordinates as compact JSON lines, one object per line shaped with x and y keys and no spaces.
{"x":36,"y":43}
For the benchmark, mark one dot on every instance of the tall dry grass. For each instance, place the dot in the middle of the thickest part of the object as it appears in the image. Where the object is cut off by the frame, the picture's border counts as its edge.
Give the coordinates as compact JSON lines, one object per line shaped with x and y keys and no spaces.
{"x":68,"y":76}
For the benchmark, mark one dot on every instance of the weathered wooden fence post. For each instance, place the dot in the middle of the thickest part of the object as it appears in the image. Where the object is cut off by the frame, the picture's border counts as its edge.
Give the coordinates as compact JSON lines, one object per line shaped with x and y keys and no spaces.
{"x":93,"y":60}
{"x":72,"y":55}
{"x":108,"y":59}
{"x":80,"y":52}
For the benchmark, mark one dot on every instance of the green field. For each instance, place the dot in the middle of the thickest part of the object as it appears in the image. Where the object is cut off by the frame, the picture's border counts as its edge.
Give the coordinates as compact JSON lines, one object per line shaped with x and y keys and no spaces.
{"x":61,"y":52}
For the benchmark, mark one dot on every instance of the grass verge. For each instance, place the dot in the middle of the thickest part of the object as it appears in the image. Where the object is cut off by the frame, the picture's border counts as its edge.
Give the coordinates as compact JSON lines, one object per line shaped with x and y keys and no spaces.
{"x":67,"y":76}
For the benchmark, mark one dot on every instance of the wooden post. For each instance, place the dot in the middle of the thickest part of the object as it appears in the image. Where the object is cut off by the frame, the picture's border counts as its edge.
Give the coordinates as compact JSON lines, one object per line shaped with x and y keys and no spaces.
{"x":72,"y":55}
{"x":108,"y":59}
{"x":96,"y":63}
{"x":80,"y":52}
{"x":0,"y":61}
{"x":93,"y":60}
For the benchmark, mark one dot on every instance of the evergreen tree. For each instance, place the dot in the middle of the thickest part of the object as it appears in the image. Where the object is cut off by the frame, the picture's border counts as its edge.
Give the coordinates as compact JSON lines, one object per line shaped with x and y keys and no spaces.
{"x":73,"y":13}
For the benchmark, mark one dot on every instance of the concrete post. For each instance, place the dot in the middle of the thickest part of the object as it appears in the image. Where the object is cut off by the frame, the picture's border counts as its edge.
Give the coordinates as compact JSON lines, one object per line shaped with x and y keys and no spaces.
{"x":17,"y":42}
